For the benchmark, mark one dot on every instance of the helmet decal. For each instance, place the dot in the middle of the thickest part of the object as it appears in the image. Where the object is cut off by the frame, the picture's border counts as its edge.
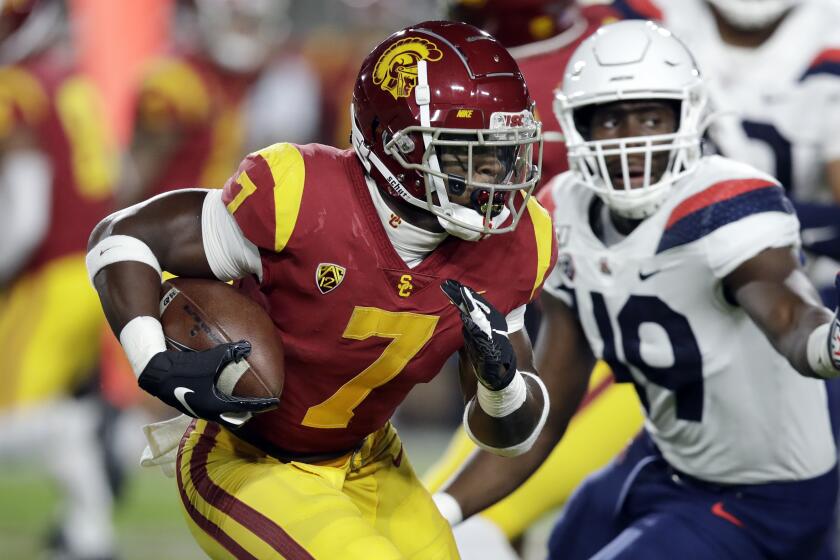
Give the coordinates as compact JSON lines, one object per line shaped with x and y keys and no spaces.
{"x":396,"y":70}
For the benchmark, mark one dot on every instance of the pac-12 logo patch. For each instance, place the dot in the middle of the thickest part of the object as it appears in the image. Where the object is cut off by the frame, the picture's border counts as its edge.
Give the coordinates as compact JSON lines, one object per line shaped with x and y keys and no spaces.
{"x":396,"y":70}
{"x":329,"y":276}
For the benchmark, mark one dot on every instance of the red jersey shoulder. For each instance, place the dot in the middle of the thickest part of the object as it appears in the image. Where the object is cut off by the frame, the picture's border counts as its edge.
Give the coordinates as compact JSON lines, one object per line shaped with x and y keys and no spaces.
{"x":267,"y":193}
{"x":512,"y":267}
{"x":173,"y":92}
{"x":24,"y":100}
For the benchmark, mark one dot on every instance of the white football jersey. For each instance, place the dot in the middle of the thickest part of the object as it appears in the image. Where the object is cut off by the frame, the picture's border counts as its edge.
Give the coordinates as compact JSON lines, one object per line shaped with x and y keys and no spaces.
{"x":780,"y":102}
{"x":720,"y":402}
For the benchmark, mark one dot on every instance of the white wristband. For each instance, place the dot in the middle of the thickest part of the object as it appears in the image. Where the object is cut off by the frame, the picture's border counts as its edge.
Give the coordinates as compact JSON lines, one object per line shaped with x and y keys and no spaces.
{"x":504,"y":401}
{"x":523,"y":446}
{"x":141,"y":339}
{"x":819,"y":358}
{"x":449,"y":507}
{"x":118,"y":248}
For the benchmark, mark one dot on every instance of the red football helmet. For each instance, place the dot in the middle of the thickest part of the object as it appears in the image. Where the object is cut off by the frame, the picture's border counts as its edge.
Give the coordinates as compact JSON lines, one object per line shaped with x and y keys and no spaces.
{"x":441,"y":90}
{"x":514,"y":22}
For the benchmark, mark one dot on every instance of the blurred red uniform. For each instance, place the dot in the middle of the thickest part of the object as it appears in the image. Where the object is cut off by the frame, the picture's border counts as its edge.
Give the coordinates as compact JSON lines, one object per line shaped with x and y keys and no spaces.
{"x":542,"y":63}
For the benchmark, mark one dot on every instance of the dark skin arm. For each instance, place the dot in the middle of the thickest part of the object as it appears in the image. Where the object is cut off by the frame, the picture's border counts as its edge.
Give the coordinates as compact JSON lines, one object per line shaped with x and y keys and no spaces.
{"x":564,"y":361}
{"x":777,"y":296}
{"x":171,"y":226}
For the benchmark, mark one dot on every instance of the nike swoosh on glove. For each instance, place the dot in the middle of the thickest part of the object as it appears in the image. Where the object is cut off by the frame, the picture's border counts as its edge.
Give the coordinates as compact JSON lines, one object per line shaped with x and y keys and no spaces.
{"x":187,"y":381}
{"x":485,"y":336}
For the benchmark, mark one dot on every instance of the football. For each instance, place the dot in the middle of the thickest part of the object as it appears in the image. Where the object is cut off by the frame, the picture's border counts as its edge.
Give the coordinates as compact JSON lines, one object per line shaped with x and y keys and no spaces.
{"x":199,"y":314}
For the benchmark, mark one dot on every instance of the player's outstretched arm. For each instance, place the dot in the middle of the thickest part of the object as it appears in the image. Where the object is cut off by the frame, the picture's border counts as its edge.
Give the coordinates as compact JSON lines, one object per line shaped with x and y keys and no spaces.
{"x":780,"y":299}
{"x":564,"y":361}
{"x":127,"y":252}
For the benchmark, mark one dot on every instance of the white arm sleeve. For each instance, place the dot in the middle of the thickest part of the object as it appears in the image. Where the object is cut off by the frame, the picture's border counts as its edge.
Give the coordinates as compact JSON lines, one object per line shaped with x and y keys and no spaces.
{"x":516,"y":319}
{"x":25,"y":200}
{"x":229,"y":253}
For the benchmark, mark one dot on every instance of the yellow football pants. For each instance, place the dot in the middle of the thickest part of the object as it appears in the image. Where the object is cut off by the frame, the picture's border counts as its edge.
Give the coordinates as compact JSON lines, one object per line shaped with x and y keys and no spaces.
{"x":370,"y":505}
{"x":607,"y":420}
{"x":51,"y":323}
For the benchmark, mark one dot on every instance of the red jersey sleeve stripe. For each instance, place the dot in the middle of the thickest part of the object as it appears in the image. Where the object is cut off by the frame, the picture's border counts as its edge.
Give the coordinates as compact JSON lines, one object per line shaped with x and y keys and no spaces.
{"x":718,"y":192}
{"x":261,"y":526}
{"x":828,"y":55}
{"x":638,"y":9}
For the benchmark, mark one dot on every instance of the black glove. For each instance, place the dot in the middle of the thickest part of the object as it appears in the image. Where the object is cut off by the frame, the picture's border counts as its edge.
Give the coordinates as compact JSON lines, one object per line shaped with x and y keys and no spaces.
{"x":187,"y":381}
{"x":485,"y":336}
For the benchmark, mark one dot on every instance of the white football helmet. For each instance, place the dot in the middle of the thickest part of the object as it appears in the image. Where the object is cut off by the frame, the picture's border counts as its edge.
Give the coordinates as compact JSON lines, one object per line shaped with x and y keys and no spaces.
{"x":242,"y":35}
{"x":752,"y":14}
{"x":626,"y":61}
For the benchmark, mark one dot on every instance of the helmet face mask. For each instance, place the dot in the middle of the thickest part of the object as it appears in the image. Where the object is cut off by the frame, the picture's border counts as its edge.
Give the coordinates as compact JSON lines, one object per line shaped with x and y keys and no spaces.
{"x":626,"y":62}
{"x":510,"y":149}
{"x":455,"y":138}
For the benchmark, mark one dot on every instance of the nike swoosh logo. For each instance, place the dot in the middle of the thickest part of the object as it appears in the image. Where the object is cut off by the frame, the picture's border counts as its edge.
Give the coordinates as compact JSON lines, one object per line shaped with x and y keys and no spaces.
{"x":645,"y":275}
{"x":717,"y":509}
{"x":180,"y":393}
{"x":105,"y":250}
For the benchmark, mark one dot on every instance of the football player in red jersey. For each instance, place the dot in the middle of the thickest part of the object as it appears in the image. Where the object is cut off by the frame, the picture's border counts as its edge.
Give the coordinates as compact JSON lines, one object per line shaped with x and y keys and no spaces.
{"x":542,"y":35}
{"x":56,"y":179}
{"x":376,"y":264}
{"x":203,"y":103}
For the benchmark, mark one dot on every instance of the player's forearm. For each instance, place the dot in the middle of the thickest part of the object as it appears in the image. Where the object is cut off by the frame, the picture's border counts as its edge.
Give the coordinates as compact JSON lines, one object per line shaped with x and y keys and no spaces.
{"x":488,"y":478}
{"x":503,"y":432}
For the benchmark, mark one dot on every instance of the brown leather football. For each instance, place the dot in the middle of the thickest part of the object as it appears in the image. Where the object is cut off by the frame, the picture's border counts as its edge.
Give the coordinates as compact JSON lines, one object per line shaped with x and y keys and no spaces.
{"x":199,"y":314}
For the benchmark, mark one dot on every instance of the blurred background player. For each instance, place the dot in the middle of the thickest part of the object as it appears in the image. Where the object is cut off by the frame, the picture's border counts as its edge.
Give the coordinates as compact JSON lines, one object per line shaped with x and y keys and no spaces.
{"x":542,"y":35}
{"x":226,"y":88}
{"x":56,"y":179}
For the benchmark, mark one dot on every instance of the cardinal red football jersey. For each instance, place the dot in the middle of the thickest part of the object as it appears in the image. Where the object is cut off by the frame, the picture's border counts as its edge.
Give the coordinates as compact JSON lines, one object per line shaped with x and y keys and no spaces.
{"x":47,"y":99}
{"x":359,"y":327}
{"x":184,"y":94}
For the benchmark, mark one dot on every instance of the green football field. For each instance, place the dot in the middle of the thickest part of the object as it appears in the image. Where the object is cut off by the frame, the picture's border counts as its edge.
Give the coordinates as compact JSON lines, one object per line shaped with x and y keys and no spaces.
{"x":148,"y":519}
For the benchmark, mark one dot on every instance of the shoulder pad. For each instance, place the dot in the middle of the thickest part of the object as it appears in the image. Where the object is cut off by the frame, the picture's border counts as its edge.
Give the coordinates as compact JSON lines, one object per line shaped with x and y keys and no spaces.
{"x":264,"y":195}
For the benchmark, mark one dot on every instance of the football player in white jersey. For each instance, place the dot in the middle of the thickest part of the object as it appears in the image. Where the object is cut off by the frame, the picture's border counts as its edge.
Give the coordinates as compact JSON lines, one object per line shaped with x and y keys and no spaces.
{"x":773,"y":71}
{"x":682,"y":272}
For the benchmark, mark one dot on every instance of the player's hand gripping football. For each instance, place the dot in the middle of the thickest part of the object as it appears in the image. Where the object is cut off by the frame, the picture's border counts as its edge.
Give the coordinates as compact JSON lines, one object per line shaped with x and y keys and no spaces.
{"x":187,"y":381}
{"x":485,"y":336}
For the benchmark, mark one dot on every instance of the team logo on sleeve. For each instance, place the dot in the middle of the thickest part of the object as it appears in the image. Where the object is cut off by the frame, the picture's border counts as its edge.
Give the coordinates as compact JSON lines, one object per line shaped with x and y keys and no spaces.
{"x":329,"y":276}
{"x":396,"y":70}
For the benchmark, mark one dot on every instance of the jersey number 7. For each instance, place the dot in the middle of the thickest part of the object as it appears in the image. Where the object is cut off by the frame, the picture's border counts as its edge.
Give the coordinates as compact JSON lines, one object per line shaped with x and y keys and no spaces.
{"x":409,"y":333}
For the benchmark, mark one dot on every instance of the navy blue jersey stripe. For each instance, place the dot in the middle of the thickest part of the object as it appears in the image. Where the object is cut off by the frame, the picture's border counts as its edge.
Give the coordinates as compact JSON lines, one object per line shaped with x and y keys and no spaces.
{"x":831,"y":68}
{"x":704,"y":221}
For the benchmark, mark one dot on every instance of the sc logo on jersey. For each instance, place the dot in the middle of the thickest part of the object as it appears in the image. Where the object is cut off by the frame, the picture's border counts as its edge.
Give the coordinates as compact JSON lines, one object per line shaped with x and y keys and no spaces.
{"x":396,"y":70}
{"x":405,"y":286}
{"x":329,"y":276}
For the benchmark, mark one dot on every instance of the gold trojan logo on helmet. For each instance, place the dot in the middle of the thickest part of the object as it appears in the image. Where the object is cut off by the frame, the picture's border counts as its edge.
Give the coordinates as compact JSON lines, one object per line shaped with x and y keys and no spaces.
{"x":396,"y":70}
